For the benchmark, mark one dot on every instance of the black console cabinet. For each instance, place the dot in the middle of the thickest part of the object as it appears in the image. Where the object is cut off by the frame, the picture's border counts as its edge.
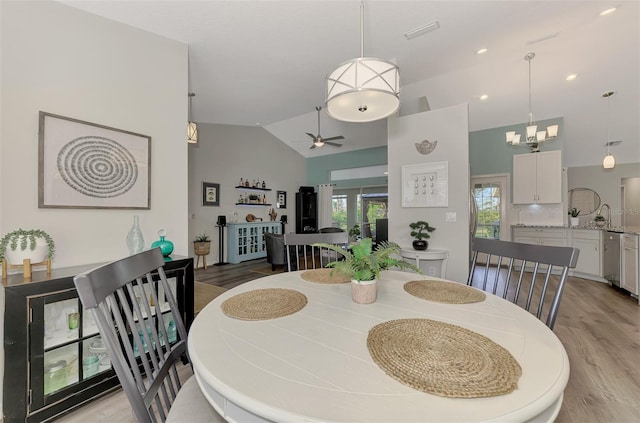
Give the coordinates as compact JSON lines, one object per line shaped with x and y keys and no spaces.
{"x":47,"y":368}
{"x":306,"y":212}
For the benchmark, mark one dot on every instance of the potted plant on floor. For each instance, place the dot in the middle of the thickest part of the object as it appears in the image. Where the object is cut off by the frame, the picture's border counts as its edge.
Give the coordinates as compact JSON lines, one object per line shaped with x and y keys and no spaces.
{"x":420,"y":241}
{"x":202,"y":245}
{"x":574,"y":213}
{"x":354,"y":233}
{"x":363,"y":265}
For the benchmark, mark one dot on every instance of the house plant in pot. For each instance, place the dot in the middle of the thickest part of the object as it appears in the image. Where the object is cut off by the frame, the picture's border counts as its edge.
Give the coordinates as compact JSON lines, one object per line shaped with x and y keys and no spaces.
{"x":573,"y":219}
{"x":202,"y":245}
{"x":363,"y":265}
{"x":420,"y":231}
{"x":33,"y":244}
{"x":599,"y":220}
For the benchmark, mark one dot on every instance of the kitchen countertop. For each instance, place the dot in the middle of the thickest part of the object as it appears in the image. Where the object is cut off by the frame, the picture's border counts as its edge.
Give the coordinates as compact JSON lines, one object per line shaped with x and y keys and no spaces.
{"x":633,"y":230}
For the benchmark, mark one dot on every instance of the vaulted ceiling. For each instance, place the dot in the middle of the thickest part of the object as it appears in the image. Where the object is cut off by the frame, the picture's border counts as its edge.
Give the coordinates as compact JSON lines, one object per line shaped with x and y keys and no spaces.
{"x":264,"y":63}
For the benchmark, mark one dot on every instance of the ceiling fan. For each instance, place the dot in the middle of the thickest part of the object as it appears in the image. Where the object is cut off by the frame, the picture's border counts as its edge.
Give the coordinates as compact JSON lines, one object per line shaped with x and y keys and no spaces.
{"x":318,"y":141}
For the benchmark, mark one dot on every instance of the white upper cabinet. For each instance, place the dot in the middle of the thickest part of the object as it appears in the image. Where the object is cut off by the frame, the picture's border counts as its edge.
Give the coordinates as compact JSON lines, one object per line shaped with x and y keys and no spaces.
{"x":537,"y":178}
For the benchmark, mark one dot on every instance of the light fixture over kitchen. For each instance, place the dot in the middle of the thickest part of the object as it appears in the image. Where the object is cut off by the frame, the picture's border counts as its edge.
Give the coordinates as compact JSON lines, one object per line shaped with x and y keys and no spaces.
{"x":364,"y":89}
{"x":192,"y":128}
{"x":533,"y":137}
{"x":609,"y":161}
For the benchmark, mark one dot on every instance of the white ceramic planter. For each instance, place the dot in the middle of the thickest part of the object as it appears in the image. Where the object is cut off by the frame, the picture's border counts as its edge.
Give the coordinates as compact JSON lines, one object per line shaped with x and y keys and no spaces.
{"x":38,"y":255}
{"x":575,"y":221}
{"x":364,"y":292}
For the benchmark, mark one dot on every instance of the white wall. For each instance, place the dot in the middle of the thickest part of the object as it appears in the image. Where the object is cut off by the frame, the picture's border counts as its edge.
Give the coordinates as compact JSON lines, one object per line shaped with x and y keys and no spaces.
{"x":64,"y":61}
{"x":223,"y":155}
{"x":449,"y":126}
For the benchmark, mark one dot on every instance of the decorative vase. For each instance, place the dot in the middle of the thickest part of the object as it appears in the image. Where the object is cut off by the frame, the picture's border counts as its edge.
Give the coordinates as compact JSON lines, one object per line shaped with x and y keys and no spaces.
{"x":165,"y":246}
{"x":364,"y":292}
{"x":420,"y":244}
{"x":575,"y":221}
{"x":135,"y":240}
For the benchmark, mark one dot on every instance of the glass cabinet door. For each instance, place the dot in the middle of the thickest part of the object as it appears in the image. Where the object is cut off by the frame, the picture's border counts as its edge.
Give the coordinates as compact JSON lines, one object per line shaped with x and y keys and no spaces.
{"x":66,"y":348}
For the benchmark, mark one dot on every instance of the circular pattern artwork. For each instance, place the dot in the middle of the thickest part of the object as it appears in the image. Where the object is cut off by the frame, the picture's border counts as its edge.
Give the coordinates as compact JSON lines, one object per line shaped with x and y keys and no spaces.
{"x":97,"y":167}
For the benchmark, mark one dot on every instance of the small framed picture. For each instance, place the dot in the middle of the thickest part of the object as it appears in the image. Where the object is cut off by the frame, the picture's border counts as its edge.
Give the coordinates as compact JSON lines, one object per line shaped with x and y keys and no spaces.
{"x":281,"y":202}
{"x":210,"y":194}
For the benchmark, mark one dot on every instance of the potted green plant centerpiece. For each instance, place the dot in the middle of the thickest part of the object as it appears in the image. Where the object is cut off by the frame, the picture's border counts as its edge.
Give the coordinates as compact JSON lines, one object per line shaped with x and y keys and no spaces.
{"x":33,"y":244}
{"x":363,"y":265}
{"x":574,"y":213}
{"x":202,"y":245}
{"x":420,"y":231}
{"x":599,"y":220}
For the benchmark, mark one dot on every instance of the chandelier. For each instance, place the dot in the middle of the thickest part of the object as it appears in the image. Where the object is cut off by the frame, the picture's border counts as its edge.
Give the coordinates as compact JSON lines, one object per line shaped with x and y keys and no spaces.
{"x":534,"y":137}
{"x":363,"y":89}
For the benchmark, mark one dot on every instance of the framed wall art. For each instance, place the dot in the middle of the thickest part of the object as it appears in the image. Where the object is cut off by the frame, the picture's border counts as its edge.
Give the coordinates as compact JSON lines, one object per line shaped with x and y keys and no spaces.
{"x":91,"y":166}
{"x":281,"y":199}
{"x":210,"y":194}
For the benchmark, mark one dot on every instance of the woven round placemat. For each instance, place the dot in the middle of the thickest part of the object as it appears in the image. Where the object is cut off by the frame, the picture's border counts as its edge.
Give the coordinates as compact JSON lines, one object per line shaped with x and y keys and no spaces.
{"x":443,"y":359}
{"x":264,"y":304}
{"x":444,"y":292}
{"x":324,"y":276}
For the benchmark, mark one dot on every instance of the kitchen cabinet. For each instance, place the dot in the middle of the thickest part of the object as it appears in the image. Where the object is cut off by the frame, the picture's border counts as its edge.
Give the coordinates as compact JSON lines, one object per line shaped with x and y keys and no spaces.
{"x":54,"y":356}
{"x":537,"y":178}
{"x":629,"y":274}
{"x":246,"y":240}
{"x":589,"y":242}
{"x":540,"y":236}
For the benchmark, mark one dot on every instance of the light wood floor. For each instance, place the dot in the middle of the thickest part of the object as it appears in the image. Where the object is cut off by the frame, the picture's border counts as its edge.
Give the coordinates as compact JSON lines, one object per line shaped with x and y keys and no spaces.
{"x":598,"y":325}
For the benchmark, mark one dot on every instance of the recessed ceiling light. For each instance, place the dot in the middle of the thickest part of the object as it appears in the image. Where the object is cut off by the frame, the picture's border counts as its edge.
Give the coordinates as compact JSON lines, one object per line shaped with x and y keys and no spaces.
{"x":572,"y":77}
{"x":481,"y":51}
{"x":484,"y":97}
{"x":606,"y":12}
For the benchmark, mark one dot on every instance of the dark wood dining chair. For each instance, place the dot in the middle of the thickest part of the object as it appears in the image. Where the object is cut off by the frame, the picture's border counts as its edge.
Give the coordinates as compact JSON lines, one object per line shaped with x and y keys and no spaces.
{"x":302,"y":254}
{"x":511,"y":267}
{"x":138,"y":319}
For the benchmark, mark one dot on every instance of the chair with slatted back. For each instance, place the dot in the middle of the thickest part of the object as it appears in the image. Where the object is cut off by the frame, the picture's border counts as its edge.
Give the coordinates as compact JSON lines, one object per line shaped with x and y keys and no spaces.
{"x":133,"y":307}
{"x":302,"y":254}
{"x":512,"y":267}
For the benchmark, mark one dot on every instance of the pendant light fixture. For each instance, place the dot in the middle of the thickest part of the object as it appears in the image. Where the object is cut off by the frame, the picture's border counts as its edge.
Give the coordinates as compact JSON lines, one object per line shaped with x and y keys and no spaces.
{"x":192,"y":128}
{"x":609,"y":162}
{"x":534,"y":137}
{"x":363,"y":89}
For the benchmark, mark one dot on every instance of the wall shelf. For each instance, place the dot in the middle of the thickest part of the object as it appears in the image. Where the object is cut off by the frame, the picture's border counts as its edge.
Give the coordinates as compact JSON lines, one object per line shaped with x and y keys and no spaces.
{"x":254,"y":204}
{"x":253,"y":188}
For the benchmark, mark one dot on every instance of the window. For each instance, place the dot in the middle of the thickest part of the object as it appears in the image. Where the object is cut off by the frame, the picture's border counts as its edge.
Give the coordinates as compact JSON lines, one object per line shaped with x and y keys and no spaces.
{"x":359,"y":206}
{"x":491,"y":197}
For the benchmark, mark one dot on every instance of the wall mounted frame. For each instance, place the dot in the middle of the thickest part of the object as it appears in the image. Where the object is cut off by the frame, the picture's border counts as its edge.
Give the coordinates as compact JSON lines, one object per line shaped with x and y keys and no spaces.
{"x":83,"y":165}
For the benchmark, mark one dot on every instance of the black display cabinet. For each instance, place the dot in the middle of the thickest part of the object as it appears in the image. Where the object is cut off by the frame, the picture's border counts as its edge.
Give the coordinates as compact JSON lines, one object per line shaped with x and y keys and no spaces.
{"x":49,"y":341}
{"x":306,"y":212}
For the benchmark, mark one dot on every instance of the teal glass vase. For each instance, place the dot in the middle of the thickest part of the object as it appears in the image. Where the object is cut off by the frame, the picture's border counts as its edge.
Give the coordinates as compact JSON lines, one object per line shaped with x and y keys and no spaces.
{"x":166,"y":246}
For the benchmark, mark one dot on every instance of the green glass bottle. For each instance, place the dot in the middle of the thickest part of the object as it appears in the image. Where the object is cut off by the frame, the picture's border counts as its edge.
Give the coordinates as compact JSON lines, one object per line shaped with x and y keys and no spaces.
{"x":166,"y":247}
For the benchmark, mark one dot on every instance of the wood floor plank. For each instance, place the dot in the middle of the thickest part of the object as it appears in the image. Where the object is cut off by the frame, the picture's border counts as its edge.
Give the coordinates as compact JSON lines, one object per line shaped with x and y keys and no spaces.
{"x":599,"y":326}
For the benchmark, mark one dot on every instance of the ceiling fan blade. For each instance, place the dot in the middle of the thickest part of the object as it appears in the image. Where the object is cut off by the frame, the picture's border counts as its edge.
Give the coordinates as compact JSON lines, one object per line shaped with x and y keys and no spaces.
{"x":312,"y":147}
{"x":311,"y":135}
{"x":339,"y":137}
{"x":335,"y":144}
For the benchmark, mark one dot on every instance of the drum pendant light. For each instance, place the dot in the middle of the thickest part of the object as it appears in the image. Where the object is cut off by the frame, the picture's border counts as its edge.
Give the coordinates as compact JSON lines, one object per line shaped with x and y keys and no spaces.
{"x":364,"y":89}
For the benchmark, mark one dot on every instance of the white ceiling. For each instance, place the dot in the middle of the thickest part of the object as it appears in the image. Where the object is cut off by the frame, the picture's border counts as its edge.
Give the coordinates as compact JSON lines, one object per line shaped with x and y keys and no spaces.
{"x":264,"y":62}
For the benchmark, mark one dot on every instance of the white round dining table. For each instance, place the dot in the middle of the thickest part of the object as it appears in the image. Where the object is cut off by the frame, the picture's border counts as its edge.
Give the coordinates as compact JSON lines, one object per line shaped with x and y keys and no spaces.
{"x":314,"y":365}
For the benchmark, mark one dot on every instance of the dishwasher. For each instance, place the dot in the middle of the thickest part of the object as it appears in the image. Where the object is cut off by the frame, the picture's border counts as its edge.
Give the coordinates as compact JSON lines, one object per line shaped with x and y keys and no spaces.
{"x":612,"y":257}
